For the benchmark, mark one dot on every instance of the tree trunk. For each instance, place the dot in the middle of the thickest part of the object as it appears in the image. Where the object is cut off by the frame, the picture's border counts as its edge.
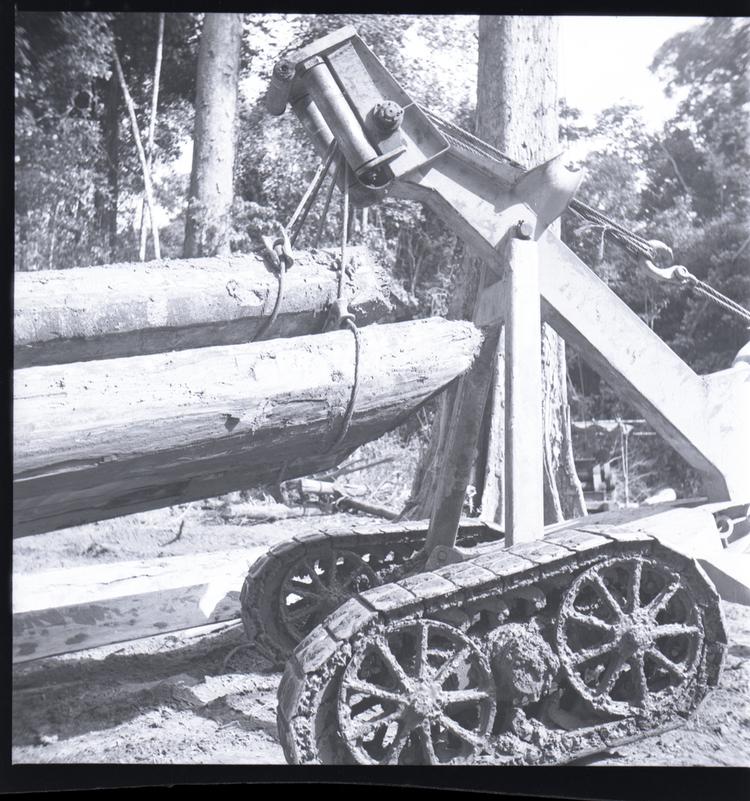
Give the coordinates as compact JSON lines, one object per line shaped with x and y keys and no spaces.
{"x":147,"y":189}
{"x":106,"y":438}
{"x":135,"y":309}
{"x":112,"y":144}
{"x":517,"y":113}
{"x":152,"y":128}
{"x":211,"y":180}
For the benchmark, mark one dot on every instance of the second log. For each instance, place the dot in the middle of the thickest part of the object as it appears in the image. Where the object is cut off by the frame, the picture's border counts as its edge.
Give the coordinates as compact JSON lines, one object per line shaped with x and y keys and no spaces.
{"x":100,"y":439}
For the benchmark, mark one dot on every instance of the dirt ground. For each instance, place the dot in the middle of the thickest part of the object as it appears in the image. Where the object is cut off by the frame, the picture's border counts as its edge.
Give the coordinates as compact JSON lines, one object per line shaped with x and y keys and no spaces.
{"x":190,"y":697}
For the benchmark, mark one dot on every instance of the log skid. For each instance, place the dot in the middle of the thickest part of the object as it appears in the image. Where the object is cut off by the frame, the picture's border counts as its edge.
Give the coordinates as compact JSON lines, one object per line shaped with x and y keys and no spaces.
{"x":64,"y":610}
{"x":95,"y":440}
{"x":136,"y":309}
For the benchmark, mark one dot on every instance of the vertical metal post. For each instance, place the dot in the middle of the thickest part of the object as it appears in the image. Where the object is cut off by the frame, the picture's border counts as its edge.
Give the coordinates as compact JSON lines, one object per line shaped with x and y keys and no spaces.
{"x":524,"y":511}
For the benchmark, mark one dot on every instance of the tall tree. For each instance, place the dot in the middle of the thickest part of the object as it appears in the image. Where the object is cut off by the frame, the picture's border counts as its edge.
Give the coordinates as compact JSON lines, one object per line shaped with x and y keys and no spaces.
{"x":210,"y":198}
{"x":516,"y":112}
{"x":152,"y":126}
{"x":147,"y":187}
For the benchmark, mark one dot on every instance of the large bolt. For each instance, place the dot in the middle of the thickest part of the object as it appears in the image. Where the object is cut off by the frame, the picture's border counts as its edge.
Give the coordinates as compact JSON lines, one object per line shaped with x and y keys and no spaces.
{"x":284,"y":70}
{"x":524,"y":229}
{"x":387,"y":115}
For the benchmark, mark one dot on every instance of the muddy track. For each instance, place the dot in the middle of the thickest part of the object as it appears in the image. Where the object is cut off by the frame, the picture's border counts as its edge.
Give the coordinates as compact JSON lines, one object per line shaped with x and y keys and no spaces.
{"x":172,"y":698}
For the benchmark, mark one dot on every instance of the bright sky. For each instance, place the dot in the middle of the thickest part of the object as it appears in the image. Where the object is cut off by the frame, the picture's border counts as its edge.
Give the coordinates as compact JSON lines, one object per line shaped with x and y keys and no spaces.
{"x":605,"y":60}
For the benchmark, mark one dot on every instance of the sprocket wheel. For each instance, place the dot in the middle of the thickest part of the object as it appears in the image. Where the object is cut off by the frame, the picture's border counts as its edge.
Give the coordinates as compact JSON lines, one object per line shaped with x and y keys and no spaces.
{"x":630,"y":637}
{"x":418,"y":692}
{"x":316,"y":585}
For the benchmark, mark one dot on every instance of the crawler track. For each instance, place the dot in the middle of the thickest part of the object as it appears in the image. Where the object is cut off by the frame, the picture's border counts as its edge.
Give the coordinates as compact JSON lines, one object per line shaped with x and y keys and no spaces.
{"x":537,"y":654}
{"x":297,"y":583}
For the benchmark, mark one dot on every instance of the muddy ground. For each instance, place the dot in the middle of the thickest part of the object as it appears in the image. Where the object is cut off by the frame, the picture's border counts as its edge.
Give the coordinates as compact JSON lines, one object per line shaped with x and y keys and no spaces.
{"x":190,"y":697}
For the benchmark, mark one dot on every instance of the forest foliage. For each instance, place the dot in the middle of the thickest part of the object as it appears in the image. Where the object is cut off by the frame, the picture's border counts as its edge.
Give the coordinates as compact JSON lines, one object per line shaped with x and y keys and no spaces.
{"x":79,"y":186}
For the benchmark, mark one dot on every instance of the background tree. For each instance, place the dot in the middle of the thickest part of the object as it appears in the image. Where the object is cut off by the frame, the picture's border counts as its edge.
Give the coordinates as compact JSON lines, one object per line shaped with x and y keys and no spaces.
{"x":212,"y":177}
{"x":517,"y":113}
{"x":77,"y":176}
{"x":687,"y":185}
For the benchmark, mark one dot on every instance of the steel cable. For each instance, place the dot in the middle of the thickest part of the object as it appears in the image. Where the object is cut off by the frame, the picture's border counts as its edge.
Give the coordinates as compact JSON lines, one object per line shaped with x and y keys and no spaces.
{"x":635,"y":244}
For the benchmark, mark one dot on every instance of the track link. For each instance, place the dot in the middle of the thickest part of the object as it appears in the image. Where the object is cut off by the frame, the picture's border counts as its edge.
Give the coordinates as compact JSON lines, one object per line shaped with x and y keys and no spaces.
{"x":509,"y":612}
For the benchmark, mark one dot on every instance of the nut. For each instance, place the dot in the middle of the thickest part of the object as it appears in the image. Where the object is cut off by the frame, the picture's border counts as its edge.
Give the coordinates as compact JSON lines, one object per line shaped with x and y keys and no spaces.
{"x":387,"y":115}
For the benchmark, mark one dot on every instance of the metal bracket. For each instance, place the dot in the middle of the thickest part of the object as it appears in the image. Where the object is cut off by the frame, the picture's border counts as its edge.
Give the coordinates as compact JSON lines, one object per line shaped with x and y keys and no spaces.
{"x":278,"y":248}
{"x":442,"y":555}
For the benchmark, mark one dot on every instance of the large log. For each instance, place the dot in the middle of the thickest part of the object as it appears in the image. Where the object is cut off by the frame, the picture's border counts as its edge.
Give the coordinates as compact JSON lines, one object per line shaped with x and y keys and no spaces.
{"x":136,"y":309}
{"x":94,"y":440}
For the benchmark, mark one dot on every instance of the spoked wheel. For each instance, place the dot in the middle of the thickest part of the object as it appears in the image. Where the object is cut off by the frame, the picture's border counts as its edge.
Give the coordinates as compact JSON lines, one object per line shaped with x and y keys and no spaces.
{"x":316,"y":585}
{"x":630,"y":637}
{"x":419,"y":692}
{"x":282,"y":601}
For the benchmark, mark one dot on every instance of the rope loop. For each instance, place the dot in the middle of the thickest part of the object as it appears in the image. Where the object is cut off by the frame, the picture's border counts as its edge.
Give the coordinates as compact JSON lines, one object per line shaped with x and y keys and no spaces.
{"x":279,"y":249}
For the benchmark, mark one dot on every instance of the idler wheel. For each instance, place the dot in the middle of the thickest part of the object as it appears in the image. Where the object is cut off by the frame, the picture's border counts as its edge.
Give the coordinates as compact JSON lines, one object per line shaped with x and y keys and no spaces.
{"x":525,"y":665}
{"x":417,"y":692}
{"x":630,"y":637}
{"x":283,"y":601}
{"x":316,"y":585}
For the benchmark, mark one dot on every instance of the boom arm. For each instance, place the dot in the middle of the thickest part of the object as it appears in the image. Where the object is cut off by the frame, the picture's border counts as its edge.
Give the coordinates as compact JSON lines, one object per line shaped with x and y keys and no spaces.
{"x":340,"y":90}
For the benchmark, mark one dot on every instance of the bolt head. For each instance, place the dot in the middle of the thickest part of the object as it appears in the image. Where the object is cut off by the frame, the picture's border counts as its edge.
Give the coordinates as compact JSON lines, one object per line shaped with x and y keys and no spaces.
{"x":387,"y":115}
{"x":284,"y":70}
{"x":524,"y":229}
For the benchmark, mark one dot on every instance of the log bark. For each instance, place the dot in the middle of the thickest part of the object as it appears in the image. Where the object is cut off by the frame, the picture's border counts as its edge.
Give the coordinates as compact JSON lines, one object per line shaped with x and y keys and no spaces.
{"x":207,"y":222}
{"x":134,"y":309}
{"x":112,"y":437}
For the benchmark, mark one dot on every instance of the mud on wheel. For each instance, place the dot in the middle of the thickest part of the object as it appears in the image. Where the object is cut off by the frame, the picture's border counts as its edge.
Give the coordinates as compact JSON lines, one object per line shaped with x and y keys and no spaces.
{"x":418,"y":692}
{"x":298,"y":594}
{"x":629,"y":636}
{"x":536,"y":654}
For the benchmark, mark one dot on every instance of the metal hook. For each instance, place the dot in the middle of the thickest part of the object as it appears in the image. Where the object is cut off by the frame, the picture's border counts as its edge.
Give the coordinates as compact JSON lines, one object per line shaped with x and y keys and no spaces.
{"x":676,"y":272}
{"x":279,"y":248}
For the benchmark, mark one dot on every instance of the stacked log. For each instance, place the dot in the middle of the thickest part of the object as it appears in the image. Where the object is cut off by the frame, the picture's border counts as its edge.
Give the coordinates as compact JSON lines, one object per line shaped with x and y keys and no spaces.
{"x":115,"y":436}
{"x":137,"y":309}
{"x":138,"y":386}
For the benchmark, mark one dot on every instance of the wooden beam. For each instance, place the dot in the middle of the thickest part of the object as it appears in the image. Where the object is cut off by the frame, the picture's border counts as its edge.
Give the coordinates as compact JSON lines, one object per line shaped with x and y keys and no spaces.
{"x":117,"y":310}
{"x":461,"y":445}
{"x":111,"y":437}
{"x":70,"y":609}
